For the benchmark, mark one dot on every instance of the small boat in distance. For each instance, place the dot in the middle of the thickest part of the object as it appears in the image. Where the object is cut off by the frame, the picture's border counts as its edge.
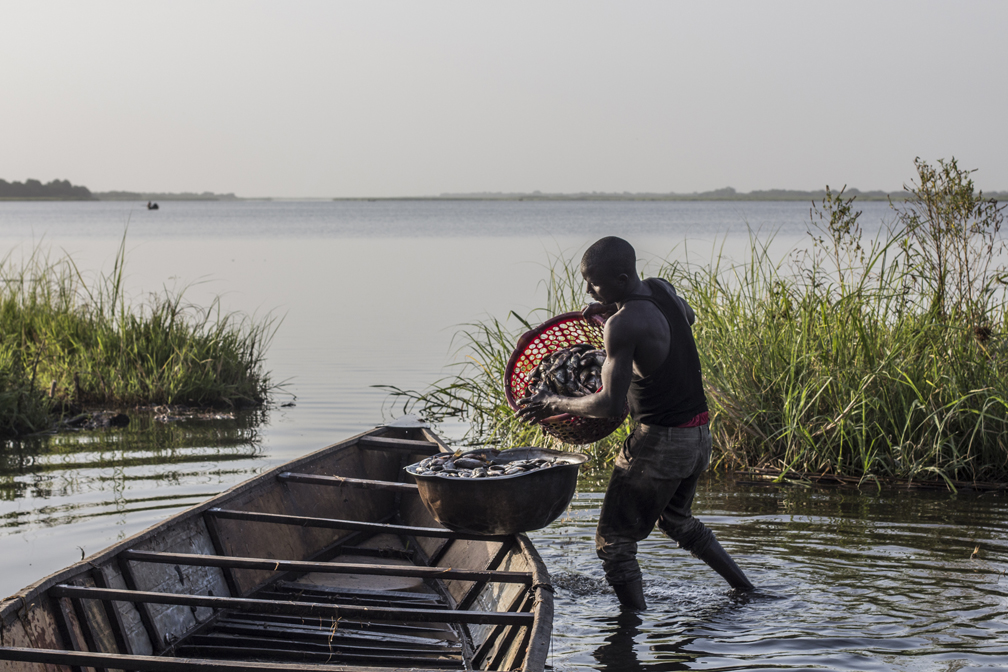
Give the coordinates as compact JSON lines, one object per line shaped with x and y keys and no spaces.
{"x":329,"y":562}
{"x":152,"y":206}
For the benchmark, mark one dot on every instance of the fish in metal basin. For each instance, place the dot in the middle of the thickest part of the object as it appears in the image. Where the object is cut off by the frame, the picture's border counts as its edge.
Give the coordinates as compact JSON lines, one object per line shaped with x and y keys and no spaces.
{"x":484,"y":465}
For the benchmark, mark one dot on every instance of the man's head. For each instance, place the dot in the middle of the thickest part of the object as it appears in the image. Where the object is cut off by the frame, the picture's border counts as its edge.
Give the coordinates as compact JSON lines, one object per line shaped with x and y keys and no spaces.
{"x":609,"y":268}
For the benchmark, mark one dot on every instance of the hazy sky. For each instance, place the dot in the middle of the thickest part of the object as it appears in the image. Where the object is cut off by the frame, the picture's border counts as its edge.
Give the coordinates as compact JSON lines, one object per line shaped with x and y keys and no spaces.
{"x":416,"y":98}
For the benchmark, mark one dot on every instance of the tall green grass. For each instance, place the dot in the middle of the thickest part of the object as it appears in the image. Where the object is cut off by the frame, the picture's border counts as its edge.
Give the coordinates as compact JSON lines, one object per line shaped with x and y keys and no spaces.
{"x":873,"y":358}
{"x":23,"y":407}
{"x":881,"y":358}
{"x":67,"y":340}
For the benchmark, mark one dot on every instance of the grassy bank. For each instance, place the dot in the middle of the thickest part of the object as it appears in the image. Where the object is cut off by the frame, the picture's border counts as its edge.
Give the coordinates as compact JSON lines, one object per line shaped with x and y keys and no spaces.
{"x":880,"y":358}
{"x":67,"y":341}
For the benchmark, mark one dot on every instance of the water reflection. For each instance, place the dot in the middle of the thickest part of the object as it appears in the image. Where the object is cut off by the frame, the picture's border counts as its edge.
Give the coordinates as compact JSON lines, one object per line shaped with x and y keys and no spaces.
{"x":64,"y":478}
{"x":619,"y":634}
{"x":619,"y":651}
{"x":668,"y":642}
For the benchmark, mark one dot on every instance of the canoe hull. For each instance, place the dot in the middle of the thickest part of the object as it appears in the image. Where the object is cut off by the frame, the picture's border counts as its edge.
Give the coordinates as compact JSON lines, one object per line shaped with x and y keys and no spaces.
{"x":346,"y":505}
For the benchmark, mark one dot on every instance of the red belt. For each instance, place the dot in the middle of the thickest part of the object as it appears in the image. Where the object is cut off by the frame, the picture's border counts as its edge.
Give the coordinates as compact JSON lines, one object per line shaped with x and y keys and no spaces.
{"x":698,"y":419}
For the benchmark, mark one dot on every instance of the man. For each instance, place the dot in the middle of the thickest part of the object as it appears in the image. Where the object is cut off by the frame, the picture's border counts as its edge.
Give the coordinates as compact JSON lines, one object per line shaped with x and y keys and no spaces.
{"x":652,"y":364}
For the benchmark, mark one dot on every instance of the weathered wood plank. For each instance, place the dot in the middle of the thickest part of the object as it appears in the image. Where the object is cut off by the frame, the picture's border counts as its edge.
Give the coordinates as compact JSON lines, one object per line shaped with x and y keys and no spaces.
{"x":218,"y":547}
{"x":412,"y":446}
{"x":89,"y":634}
{"x":374,"y":657}
{"x":476,"y":588}
{"x":501,"y":596}
{"x":412,"y":511}
{"x":115,"y":623}
{"x":415,"y":571}
{"x":291,"y":634}
{"x":506,"y":651}
{"x":143,"y":609}
{"x":363,"y":551}
{"x":347,"y":482}
{"x":338,"y":524}
{"x":379,"y":633}
{"x":342,"y":598}
{"x":59,"y":609}
{"x":492,"y":645}
{"x":518,"y":650}
{"x":400,"y":596}
{"x":165,"y":664}
{"x":138,"y":640}
{"x":474,"y":553}
{"x":297,"y":608}
{"x":286,"y":642}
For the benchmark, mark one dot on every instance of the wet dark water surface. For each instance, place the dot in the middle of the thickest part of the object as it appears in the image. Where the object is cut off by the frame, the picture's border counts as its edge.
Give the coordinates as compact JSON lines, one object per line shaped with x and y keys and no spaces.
{"x":846,"y":580}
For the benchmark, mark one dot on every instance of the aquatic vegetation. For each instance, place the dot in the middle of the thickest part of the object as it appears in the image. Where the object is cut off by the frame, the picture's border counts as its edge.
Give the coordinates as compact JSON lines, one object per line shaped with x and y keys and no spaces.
{"x":65,"y":341}
{"x":880,"y":358}
{"x":877,"y":358}
{"x":23,"y":407}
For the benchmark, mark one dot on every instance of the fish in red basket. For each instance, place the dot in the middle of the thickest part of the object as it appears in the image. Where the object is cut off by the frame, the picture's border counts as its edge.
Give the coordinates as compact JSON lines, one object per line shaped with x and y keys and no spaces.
{"x":571,"y":372}
{"x":652,"y":365}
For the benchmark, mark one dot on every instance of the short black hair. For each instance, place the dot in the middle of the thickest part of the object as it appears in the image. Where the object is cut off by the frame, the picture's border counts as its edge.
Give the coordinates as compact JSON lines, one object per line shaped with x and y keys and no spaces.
{"x":611,"y":255}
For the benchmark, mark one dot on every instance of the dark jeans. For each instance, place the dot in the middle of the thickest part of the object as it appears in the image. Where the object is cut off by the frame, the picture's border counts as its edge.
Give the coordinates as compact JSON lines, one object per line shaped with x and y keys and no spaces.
{"x":654,"y":480}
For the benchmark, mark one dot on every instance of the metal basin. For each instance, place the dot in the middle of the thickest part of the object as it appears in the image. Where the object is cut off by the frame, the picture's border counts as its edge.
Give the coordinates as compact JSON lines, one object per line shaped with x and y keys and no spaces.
{"x":503,"y":504}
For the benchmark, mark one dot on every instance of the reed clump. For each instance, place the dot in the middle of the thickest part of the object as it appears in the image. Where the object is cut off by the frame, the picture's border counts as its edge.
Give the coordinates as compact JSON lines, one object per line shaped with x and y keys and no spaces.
{"x":67,"y":342}
{"x":878,"y":358}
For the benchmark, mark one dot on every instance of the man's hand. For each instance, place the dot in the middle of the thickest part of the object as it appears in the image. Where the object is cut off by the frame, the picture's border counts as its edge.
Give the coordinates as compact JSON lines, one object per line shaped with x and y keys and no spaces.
{"x":606,"y":310}
{"x":536,"y":408}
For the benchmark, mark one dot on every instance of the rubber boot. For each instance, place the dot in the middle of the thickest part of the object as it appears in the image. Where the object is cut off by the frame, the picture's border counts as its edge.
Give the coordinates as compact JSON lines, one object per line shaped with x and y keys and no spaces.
{"x":721,"y":562}
{"x":631,"y":595}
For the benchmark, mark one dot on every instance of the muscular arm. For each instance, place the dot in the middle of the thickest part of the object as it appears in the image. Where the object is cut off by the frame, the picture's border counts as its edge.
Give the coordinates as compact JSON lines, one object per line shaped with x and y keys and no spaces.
{"x":617,"y":372}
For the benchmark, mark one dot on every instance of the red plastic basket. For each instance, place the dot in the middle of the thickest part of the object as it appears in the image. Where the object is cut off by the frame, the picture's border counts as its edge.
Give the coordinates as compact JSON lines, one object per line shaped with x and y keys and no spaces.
{"x":555,"y":334}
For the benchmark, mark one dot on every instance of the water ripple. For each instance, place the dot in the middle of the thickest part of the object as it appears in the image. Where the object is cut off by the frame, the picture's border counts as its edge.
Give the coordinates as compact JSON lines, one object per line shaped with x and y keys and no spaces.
{"x":845,"y":581}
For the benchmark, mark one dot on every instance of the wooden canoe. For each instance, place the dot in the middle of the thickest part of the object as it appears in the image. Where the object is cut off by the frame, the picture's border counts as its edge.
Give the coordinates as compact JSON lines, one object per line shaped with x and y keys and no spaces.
{"x":329,"y":562}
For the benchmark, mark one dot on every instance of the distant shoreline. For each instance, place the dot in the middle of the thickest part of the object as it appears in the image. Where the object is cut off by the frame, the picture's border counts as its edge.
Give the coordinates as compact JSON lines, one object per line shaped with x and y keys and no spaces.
{"x":62,"y":190}
{"x":738,"y":197}
{"x":726,"y":194}
{"x":57,"y":190}
{"x":183,"y":196}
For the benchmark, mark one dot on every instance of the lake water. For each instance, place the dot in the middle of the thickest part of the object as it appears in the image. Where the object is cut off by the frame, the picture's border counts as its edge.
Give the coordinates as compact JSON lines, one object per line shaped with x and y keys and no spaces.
{"x":845,"y":580}
{"x":372,"y":293}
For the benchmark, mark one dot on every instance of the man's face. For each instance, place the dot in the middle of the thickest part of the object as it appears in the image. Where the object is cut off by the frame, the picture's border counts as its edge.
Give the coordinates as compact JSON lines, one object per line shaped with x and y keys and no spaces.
{"x":601,"y":286}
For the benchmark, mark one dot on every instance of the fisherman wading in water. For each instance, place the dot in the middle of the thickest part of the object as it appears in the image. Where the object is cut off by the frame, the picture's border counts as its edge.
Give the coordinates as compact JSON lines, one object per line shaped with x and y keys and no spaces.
{"x":652,"y":364}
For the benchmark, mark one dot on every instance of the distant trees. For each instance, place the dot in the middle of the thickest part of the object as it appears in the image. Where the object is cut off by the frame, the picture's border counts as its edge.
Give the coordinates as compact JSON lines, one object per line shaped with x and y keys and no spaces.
{"x":57,"y":190}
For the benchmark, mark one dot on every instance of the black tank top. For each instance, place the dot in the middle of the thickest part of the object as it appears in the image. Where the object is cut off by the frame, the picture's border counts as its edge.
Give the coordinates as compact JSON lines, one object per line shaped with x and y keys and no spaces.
{"x":673,"y":395}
